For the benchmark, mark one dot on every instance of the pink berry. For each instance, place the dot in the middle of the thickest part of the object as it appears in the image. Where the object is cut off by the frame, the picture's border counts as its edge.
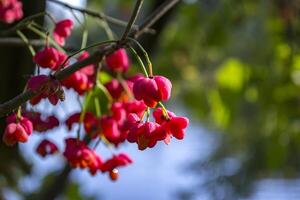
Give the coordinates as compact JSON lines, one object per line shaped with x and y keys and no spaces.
{"x":50,"y":58}
{"x":10,"y":11}
{"x":118,"y":61}
{"x":46,"y":147}
{"x":152,"y":90}
{"x":62,"y":30}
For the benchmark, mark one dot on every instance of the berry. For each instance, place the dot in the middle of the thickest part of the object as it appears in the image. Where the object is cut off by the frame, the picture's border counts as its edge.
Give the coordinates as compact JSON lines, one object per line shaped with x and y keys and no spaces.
{"x":118,"y":61}
{"x":50,"y":58}
{"x":41,"y":124}
{"x":152,"y":90}
{"x":82,"y":80}
{"x":79,"y":155}
{"x":45,"y":87}
{"x":90,"y":122}
{"x":10,"y":11}
{"x":62,"y":30}
{"x":17,"y":130}
{"x":46,"y":148}
{"x":112,"y":165}
{"x":115,"y":88}
{"x":172,"y":124}
{"x":111,"y":130}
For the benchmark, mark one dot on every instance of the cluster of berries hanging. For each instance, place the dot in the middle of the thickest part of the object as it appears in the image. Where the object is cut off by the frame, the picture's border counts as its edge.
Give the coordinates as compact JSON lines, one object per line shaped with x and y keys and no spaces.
{"x":10,"y":10}
{"x":130,"y":100}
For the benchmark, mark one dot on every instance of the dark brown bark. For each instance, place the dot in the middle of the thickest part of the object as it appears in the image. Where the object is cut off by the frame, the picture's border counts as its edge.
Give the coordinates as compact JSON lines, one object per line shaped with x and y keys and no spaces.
{"x":15,"y":63}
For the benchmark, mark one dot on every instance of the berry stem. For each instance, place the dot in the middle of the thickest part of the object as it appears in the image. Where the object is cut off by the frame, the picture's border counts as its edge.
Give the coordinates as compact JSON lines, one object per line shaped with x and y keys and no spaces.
{"x":165,"y":112}
{"x":148,"y":114}
{"x":76,"y":17}
{"x":43,"y":35}
{"x":145,"y":54}
{"x":84,"y":36}
{"x":107,"y":29}
{"x":105,"y":91}
{"x":84,"y":49}
{"x":107,"y":144}
{"x":97,"y":143}
{"x":97,"y":107}
{"x":85,"y":104}
{"x":79,"y":128}
{"x":47,"y":40}
{"x":19,"y":113}
{"x":144,"y":114}
{"x":83,"y":111}
{"x":26,"y":41}
{"x":124,"y":85}
{"x":139,"y":60}
{"x":41,"y":28}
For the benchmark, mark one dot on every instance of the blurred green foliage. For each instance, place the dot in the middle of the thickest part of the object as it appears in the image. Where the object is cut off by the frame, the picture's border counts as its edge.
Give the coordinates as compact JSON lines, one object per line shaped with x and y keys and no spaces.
{"x":237,"y":66}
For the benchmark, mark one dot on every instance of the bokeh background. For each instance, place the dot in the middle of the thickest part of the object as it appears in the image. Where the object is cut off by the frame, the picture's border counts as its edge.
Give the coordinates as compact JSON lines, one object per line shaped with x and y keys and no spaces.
{"x":235,"y":68}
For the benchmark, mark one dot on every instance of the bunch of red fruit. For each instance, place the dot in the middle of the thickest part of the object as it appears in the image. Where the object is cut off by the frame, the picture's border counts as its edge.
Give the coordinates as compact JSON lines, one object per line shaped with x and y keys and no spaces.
{"x":130,"y":103}
{"x":10,"y":11}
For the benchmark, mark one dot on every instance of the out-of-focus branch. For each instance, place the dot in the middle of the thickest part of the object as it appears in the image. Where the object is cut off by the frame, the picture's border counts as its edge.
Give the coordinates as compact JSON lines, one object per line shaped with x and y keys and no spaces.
{"x":156,"y":15}
{"x":12,"y":41}
{"x":100,"y":15}
{"x":132,"y":19}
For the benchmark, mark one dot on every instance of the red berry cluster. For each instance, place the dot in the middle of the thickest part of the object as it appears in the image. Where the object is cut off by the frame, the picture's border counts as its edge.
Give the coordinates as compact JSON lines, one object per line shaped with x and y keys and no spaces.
{"x":10,"y":10}
{"x":126,"y":117}
{"x":80,"y":155}
{"x":149,"y":133}
{"x":18,"y":129}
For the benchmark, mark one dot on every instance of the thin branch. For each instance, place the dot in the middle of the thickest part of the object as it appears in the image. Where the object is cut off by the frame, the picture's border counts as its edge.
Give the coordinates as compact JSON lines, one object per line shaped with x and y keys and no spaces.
{"x":43,"y":35}
{"x":12,"y":41}
{"x":99,"y":15}
{"x":26,"y":41}
{"x":132,"y":19}
{"x":156,"y":15}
